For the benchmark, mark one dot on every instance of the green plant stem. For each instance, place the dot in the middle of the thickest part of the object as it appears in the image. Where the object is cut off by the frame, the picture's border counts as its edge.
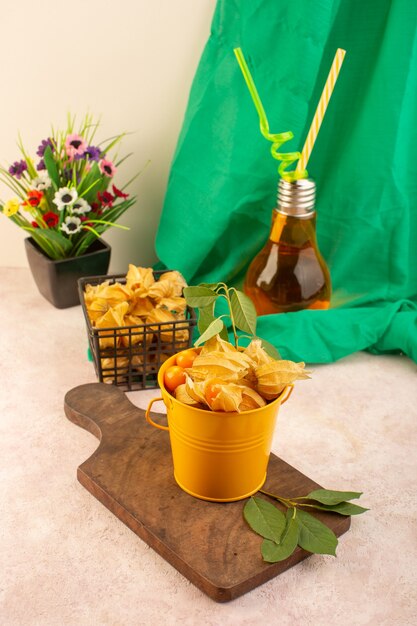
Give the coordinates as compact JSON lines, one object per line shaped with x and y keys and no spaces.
{"x":285,"y":501}
{"x":136,"y":175}
{"x":113,"y":224}
{"x":312,"y":506}
{"x":91,"y":230}
{"x":232,"y":319}
{"x":90,"y":187}
{"x":13,"y":184}
{"x":41,"y":241}
{"x":225,"y":294}
{"x":289,"y":503}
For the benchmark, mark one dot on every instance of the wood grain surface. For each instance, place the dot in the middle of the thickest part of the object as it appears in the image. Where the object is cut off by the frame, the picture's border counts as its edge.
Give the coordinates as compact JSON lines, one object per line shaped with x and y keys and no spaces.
{"x":131,"y":473}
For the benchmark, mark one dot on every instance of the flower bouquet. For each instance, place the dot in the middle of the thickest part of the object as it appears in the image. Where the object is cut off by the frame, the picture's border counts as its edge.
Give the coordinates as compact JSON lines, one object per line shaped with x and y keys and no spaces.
{"x":67,"y":198}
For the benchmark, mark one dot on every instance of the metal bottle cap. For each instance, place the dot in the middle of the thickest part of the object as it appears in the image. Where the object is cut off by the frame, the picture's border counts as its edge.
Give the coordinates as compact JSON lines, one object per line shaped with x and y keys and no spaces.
{"x":297,"y":198}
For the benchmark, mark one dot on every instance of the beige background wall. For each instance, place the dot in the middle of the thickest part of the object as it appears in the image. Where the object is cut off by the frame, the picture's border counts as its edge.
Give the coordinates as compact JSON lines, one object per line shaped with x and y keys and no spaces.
{"x":132,"y":62}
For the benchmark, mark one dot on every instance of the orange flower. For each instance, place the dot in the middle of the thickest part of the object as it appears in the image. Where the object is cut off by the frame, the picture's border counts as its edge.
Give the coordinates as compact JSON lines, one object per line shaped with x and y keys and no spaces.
{"x":34,"y":197}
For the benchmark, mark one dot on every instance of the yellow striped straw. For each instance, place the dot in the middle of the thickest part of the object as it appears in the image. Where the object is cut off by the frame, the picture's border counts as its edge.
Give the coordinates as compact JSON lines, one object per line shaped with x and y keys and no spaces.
{"x":321,"y":109}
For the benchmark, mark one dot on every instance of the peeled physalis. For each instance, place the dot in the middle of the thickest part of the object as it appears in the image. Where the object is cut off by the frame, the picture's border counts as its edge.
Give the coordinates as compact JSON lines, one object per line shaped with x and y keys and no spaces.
{"x":161,"y":300}
{"x":229,"y":366}
{"x":221,"y":378}
{"x":170,"y":285}
{"x":256,"y":353}
{"x":219,"y":395}
{"x":222,"y":396}
{"x":273,"y":377}
{"x":140,"y":321}
{"x":228,"y":397}
{"x":217,"y":344}
{"x":114,"y":317}
{"x":251,"y":399}
{"x":139,"y":279}
{"x":168,"y":332}
{"x":183,"y":396}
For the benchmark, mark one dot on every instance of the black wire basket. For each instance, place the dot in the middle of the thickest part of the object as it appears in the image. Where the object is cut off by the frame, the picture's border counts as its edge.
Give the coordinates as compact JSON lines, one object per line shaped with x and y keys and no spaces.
{"x":130,"y":356}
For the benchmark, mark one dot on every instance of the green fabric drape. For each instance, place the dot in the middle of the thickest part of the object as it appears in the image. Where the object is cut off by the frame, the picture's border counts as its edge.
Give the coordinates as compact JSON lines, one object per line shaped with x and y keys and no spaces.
{"x":222,"y":184}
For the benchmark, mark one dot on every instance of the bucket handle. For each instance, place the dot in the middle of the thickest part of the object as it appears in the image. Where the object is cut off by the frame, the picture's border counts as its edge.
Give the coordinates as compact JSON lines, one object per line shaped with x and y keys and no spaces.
{"x":148,"y":417}
{"x":290,"y":388}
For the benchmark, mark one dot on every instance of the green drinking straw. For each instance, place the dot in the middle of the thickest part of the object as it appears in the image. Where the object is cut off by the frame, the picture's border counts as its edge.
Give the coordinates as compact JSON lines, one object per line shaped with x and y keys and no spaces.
{"x":286,"y":158}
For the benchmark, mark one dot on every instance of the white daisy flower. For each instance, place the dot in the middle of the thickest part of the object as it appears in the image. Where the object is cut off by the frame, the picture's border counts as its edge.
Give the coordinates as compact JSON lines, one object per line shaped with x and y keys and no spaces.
{"x":41,"y":182}
{"x":71,"y":225}
{"x":65,"y":197}
{"x":80,"y":207}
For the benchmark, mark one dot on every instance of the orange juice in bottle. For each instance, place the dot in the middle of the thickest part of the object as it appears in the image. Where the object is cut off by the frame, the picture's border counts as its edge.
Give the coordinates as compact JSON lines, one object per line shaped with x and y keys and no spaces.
{"x":289,"y":273}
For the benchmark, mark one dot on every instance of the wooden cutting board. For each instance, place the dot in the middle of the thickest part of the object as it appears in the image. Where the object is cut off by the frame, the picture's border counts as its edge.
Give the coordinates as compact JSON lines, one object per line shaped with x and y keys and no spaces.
{"x":131,"y":474}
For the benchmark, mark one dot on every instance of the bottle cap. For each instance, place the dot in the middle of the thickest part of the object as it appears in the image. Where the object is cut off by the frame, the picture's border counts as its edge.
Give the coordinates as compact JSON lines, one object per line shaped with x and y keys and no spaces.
{"x":297,"y":198}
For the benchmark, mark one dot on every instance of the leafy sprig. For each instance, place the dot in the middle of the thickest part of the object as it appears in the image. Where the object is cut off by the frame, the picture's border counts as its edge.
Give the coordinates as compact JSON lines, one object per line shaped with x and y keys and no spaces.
{"x":240,"y":315}
{"x":283,"y":533}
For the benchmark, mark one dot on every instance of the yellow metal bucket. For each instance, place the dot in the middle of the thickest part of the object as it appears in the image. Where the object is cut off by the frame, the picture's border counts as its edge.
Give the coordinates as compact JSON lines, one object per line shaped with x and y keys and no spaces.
{"x":217,"y":456}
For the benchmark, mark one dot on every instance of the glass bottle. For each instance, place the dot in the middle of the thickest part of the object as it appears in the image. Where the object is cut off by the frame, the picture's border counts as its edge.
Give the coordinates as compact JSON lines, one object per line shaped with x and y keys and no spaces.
{"x":289,"y":273}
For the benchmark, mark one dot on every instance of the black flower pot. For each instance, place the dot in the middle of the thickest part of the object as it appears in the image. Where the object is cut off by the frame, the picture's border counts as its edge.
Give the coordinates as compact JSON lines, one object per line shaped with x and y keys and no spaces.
{"x":57,"y":280}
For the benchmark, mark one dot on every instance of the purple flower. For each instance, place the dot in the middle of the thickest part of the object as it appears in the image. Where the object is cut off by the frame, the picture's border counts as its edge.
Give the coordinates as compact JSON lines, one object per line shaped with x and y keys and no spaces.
{"x":18,"y":168}
{"x":68,"y":175}
{"x":44,"y":144}
{"x":41,"y":165}
{"x":92,"y":152}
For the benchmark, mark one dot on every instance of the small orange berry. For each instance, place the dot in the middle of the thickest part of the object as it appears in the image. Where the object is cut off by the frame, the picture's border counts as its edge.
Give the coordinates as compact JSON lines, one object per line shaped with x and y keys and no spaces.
{"x":173,"y":377}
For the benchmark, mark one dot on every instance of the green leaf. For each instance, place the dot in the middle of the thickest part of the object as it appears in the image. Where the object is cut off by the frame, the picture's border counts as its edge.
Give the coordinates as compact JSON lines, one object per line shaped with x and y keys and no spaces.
{"x":209,"y":285}
{"x":264,"y":518}
{"x":315,"y":536}
{"x":51,"y":167}
{"x":61,"y":243}
{"x":273,"y":552}
{"x":270,"y":349}
{"x":198,"y":297}
{"x":130,"y":181}
{"x":120,"y":161}
{"x":344,"y":508}
{"x":224,"y":334}
{"x":116,"y":140}
{"x":205,"y":317}
{"x":325,"y":496}
{"x":42,"y":243}
{"x":214,"y":329}
{"x":83,"y":245}
{"x":244,"y":312}
{"x":31,"y":170}
{"x":90,"y":181}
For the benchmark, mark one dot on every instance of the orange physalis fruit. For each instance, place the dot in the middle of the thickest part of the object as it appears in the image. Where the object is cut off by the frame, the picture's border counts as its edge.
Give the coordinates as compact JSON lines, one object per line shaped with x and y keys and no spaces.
{"x":173,"y":377}
{"x":186,"y":359}
{"x":212,"y":389}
